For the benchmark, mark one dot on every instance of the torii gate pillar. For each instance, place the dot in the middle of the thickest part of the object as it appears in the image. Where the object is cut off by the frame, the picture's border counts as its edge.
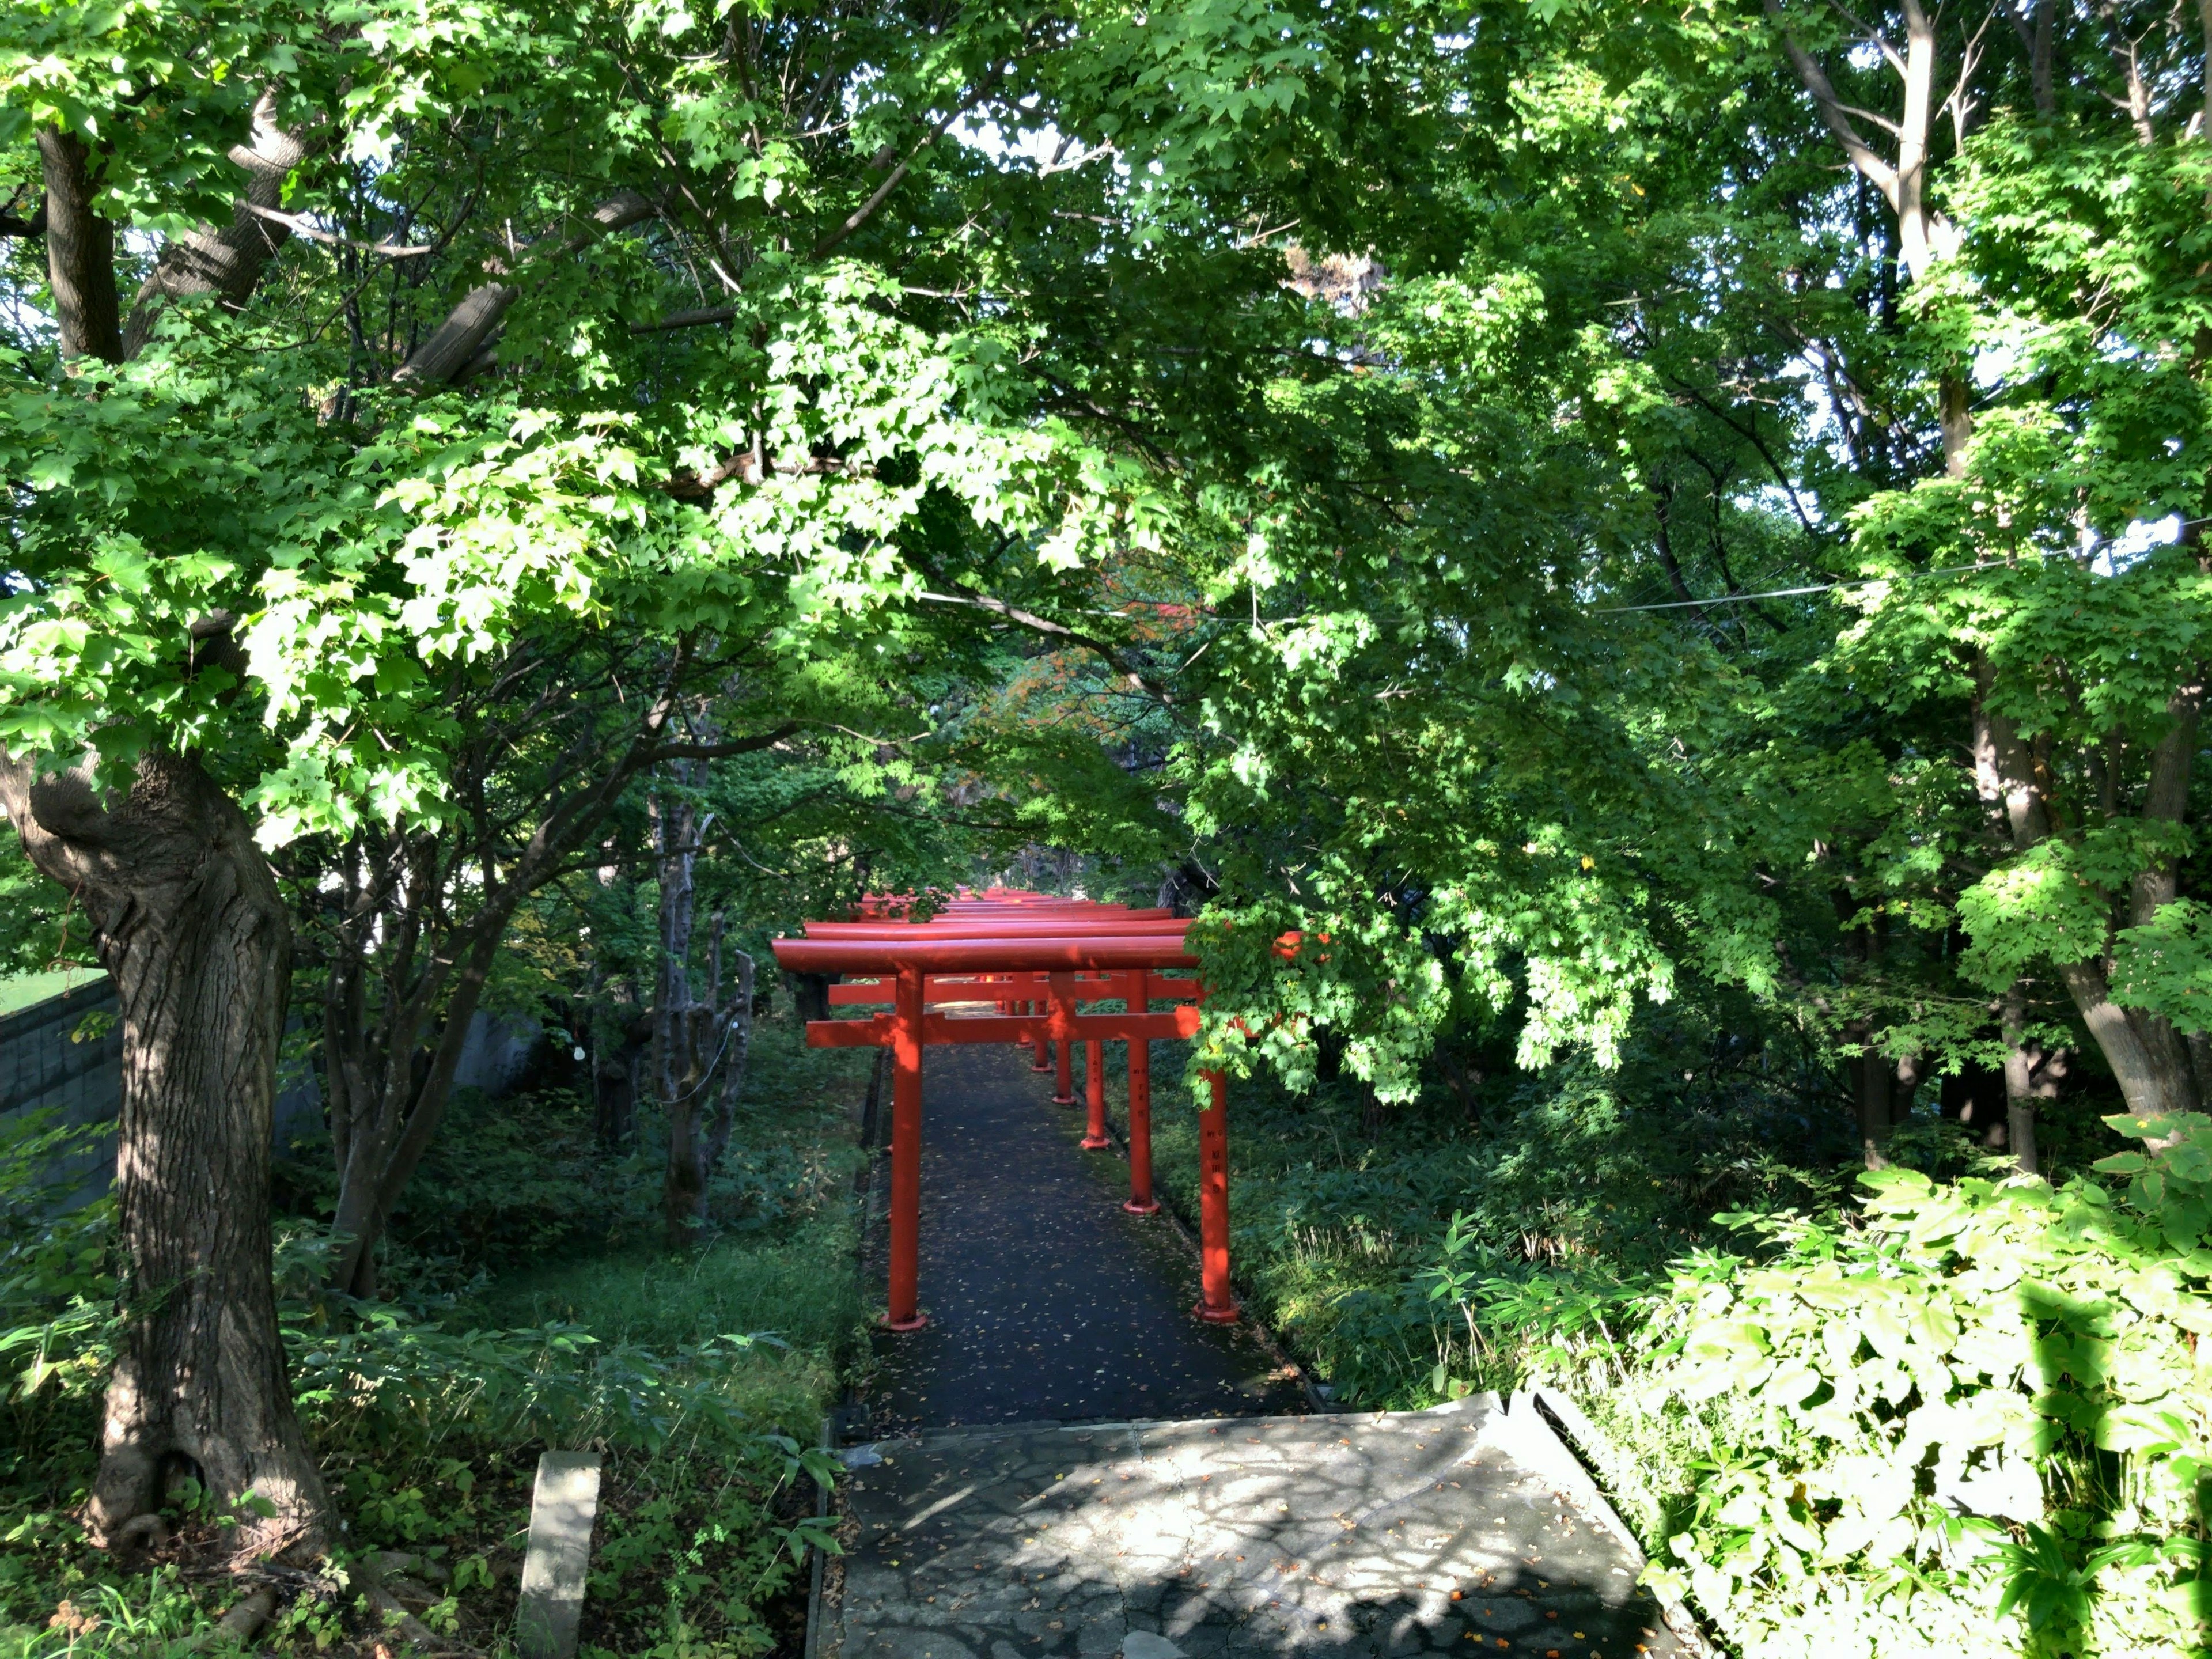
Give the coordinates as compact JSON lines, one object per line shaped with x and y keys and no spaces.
{"x":904,"y":1313}
{"x":1217,"y":1305}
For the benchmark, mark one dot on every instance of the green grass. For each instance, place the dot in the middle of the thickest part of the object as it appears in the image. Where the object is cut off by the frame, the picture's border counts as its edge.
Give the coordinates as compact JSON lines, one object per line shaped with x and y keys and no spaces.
{"x":804,"y":1289}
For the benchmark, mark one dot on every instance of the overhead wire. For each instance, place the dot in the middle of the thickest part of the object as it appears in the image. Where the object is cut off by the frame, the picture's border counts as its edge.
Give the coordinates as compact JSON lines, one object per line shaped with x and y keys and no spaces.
{"x":1793,"y":592}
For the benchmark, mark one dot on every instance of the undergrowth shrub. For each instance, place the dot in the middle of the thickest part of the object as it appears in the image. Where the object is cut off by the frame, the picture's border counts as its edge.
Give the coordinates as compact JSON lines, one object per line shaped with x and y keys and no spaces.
{"x":525,"y":1315}
{"x":1974,"y":1418}
{"x":1947,"y":1411}
{"x":1548,"y":1194}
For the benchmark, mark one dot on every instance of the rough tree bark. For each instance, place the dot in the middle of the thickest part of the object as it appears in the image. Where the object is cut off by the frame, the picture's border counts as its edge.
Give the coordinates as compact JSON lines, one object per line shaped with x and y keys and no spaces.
{"x":189,"y":924}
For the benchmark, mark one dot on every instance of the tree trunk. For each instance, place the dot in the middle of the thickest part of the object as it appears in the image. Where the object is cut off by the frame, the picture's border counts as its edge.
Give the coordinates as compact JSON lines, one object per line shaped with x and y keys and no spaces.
{"x":227,"y":263}
{"x":2148,"y":1059}
{"x":395,"y":1119}
{"x":2019,"y":1080}
{"x":736,"y":1025}
{"x":80,"y":251}
{"x":1870,"y":1089}
{"x":620,"y":1038}
{"x":678,"y":1021}
{"x":810,"y":995}
{"x":190,"y":926}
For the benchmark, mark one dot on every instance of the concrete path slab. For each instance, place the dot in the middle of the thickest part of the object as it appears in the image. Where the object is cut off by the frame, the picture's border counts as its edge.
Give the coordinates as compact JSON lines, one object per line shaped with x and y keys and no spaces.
{"x":1045,"y":1300}
{"x":1455,"y":1530}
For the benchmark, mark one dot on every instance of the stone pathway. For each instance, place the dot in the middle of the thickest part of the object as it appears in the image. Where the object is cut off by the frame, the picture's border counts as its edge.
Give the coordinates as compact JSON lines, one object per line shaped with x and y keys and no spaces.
{"x":1455,"y":1530}
{"x":1045,"y":1300}
{"x":1031,"y":1491}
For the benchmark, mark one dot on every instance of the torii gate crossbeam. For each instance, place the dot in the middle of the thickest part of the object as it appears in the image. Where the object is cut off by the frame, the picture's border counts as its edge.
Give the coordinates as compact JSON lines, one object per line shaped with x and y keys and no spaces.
{"x":1036,"y":961}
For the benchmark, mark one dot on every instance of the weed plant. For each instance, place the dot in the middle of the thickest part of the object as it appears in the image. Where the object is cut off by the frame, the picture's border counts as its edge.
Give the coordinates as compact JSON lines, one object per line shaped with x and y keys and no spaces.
{"x":1948,"y":1410}
{"x":531,"y":1303}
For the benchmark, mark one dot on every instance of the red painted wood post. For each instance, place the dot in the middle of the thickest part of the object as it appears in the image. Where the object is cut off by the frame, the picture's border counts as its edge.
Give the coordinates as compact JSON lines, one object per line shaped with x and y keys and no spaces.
{"x":1040,"y":1059}
{"x":1140,"y":1200}
{"x":1217,"y":1305}
{"x":1094,"y":1094}
{"x":904,"y":1313}
{"x":1063,"y":1038}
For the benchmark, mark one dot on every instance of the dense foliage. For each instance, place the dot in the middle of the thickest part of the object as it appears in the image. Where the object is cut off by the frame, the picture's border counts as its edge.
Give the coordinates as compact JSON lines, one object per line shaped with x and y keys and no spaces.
{"x":428,"y":1410}
{"x":1641,"y":572}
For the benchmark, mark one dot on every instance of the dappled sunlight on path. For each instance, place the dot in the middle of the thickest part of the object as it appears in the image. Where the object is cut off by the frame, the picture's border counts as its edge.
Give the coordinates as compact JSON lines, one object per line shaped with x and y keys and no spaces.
{"x":1445,"y":1531}
{"x":1031,"y":1492}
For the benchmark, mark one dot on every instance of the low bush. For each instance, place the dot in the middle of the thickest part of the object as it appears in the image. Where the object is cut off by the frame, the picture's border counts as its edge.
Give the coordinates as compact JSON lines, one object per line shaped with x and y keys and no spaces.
{"x":701,"y":1375}
{"x":1972,"y":1418}
{"x":1943,"y":1409}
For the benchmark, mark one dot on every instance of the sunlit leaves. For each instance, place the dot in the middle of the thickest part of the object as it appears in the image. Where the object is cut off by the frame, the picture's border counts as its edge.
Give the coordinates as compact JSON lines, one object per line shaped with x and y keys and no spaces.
{"x":1999,"y":1337}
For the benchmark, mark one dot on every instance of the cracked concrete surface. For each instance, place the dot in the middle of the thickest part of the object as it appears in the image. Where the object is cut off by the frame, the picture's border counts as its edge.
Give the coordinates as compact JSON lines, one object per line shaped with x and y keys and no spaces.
{"x":1463,"y":1529}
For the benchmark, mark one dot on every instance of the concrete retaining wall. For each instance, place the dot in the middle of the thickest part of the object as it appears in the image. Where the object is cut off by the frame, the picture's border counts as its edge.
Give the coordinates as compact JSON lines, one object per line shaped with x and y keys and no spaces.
{"x":44,"y":1067}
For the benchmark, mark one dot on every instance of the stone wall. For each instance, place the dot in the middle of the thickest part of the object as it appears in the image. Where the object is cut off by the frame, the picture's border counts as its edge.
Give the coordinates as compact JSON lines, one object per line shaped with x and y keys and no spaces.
{"x":44,"y":1067}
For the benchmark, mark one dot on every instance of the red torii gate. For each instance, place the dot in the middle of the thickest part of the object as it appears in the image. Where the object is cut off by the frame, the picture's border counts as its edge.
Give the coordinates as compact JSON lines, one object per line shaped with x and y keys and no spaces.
{"x":1036,"y":957}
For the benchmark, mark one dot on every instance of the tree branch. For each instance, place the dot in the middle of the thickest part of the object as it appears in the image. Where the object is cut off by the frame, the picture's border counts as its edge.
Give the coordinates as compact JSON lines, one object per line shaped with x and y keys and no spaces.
{"x":455,"y":344}
{"x":866,"y":210}
{"x":80,"y":251}
{"x":299,"y":226}
{"x":1878,"y":173}
{"x":722,"y":750}
{"x":675,"y":319}
{"x":228,"y":263}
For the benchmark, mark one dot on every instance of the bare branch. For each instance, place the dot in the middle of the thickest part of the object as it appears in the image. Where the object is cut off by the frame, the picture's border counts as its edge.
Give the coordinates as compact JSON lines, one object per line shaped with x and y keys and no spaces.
{"x":456,"y":344}
{"x":299,"y":226}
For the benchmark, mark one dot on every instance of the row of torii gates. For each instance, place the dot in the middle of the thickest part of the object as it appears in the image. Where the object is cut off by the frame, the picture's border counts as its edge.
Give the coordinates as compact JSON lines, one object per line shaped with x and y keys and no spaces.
{"x":1033,"y":958}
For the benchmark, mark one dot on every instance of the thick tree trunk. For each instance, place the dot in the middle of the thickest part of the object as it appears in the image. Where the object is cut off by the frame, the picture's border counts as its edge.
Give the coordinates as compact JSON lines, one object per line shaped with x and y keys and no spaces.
{"x":191,"y":926}
{"x":227,"y":263}
{"x":80,"y":251}
{"x":193,"y":929}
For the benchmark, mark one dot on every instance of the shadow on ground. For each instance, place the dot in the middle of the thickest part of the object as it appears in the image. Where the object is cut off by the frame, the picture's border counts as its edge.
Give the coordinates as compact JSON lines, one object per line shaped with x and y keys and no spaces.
{"x":1444,"y":1531}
